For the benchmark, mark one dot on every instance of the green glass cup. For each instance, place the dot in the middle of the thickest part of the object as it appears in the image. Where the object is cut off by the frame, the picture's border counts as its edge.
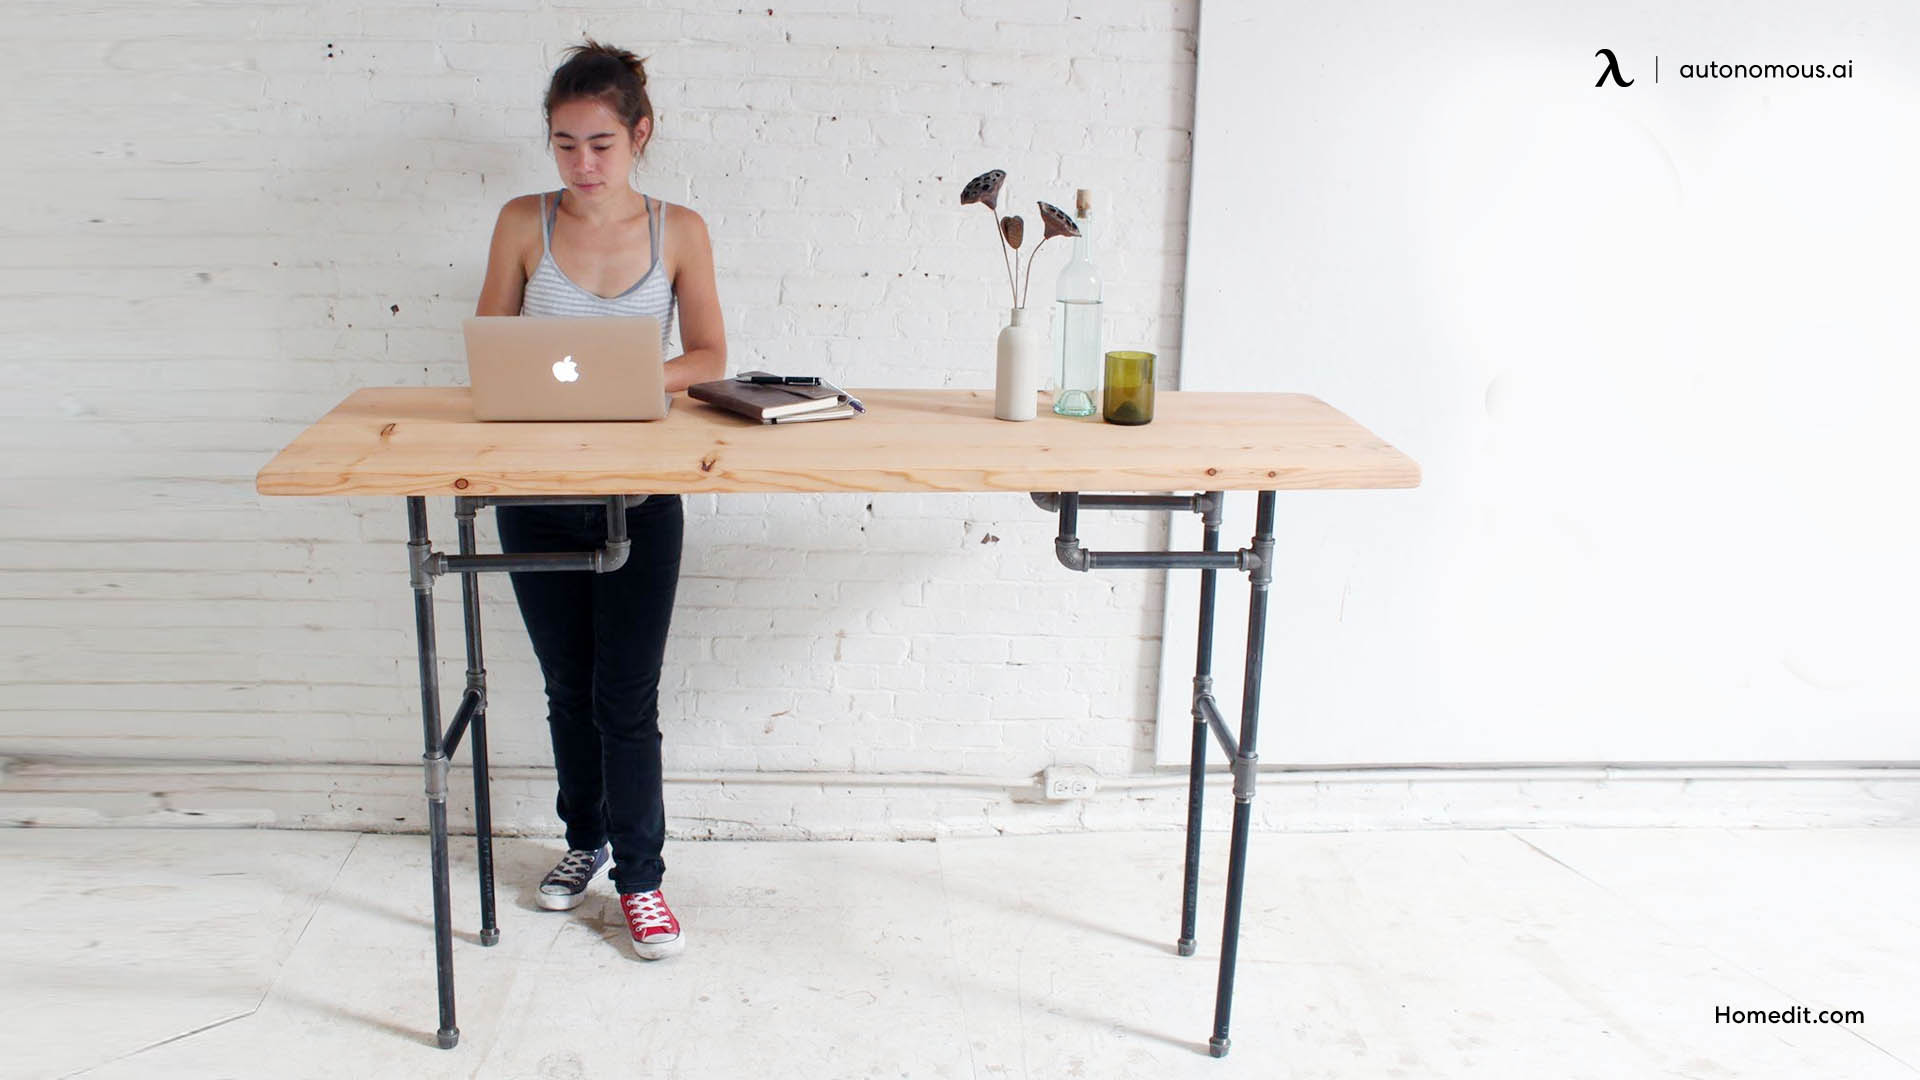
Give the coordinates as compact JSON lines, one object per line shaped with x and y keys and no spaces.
{"x":1128,"y":395}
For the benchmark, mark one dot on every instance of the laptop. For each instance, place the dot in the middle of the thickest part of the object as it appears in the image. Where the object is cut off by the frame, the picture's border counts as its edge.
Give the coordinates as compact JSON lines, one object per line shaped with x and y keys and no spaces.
{"x":592,"y":368}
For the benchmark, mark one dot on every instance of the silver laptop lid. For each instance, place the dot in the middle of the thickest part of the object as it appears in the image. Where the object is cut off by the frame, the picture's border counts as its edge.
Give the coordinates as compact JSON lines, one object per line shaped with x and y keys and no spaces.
{"x":589,"y":368}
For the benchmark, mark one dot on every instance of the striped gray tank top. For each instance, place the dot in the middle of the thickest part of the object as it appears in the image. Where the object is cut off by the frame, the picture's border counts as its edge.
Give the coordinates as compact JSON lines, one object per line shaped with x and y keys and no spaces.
{"x":551,"y":292}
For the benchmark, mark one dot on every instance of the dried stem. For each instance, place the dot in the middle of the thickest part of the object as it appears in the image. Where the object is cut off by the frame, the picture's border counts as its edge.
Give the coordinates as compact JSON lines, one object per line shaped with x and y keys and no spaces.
{"x":1020,"y":301}
{"x":1004,"y":258}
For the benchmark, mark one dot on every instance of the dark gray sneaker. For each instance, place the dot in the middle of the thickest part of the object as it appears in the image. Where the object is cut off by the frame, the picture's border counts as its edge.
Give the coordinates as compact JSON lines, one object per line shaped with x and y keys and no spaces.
{"x":566,"y":884}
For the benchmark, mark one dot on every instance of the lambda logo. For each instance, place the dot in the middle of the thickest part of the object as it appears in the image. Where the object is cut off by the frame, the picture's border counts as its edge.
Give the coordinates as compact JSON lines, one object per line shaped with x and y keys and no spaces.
{"x":1613,"y":69}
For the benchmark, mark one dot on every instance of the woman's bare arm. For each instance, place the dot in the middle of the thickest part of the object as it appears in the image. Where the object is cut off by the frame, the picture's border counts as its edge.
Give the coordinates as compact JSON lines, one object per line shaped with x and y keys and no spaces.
{"x":506,"y":285}
{"x":703,"y":338}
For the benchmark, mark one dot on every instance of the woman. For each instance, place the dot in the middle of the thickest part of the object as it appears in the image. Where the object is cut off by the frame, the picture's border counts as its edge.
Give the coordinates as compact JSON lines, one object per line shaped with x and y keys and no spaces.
{"x":599,"y":247}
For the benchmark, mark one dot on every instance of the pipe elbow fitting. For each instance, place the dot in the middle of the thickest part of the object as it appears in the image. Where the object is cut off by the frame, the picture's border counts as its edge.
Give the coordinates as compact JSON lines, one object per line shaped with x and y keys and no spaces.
{"x":613,"y":556}
{"x":1071,"y":555}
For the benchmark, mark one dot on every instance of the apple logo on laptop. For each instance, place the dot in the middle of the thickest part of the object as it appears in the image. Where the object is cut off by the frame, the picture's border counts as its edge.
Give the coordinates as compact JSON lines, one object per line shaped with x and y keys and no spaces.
{"x":565,"y":370}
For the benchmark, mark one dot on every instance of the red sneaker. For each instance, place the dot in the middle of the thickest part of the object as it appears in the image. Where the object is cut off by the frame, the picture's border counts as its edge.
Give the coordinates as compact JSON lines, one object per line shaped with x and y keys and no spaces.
{"x":650,"y":922}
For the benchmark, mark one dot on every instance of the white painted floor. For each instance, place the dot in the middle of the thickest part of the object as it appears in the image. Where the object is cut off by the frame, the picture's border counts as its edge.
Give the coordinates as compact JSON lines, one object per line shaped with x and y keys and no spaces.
{"x":1536,"y":954}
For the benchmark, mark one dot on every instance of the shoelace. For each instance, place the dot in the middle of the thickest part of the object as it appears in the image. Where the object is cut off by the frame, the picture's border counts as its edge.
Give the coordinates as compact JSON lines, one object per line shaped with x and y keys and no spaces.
{"x":573,"y":868}
{"x":647,"y":910}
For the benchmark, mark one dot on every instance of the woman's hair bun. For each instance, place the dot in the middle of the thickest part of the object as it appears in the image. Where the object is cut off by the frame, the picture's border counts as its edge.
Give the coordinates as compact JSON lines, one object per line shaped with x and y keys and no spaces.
{"x":627,"y":58}
{"x":611,"y":74}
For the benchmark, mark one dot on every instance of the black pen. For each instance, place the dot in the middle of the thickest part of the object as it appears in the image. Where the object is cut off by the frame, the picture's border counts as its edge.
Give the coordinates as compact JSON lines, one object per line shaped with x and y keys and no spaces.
{"x":780,"y":380}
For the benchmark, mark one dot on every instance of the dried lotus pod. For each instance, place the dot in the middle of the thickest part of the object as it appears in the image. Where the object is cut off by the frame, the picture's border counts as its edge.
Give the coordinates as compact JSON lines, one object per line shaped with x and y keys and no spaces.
{"x":984,"y":188}
{"x":1014,"y":229}
{"x":1057,"y":222}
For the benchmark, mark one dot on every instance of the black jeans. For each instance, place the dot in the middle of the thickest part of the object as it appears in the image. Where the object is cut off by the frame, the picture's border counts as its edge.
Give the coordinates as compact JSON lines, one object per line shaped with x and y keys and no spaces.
{"x":600,"y":639}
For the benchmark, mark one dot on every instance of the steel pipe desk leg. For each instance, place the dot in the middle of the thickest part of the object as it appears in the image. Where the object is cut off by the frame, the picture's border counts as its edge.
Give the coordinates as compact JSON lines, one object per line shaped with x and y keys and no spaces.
{"x":1257,"y":561}
{"x":419,"y":556}
{"x":477,"y":681}
{"x":1244,"y":763}
{"x":1197,"y":761}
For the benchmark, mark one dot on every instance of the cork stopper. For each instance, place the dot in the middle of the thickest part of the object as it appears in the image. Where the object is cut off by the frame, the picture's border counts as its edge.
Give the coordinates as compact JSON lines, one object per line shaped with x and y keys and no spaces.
{"x":1082,"y":202}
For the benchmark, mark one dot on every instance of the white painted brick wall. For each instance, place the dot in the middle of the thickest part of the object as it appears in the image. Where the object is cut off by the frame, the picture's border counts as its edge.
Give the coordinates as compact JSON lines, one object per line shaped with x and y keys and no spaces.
{"x":222,"y":218}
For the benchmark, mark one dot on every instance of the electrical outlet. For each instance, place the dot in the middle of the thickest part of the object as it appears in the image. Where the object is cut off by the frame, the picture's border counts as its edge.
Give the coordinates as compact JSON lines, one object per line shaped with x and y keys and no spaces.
{"x":1069,"y":782}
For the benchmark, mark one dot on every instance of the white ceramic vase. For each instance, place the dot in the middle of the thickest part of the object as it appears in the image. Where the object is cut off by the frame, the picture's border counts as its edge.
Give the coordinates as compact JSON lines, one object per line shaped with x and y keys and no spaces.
{"x":1016,"y":380}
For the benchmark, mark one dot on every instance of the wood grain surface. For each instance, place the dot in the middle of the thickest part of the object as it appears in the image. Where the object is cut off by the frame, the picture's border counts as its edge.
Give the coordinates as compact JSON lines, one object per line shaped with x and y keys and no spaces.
{"x":424,"y":441}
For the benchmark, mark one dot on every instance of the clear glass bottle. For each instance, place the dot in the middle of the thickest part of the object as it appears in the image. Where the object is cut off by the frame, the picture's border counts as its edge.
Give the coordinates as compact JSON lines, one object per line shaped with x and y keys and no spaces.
{"x":1077,"y":359}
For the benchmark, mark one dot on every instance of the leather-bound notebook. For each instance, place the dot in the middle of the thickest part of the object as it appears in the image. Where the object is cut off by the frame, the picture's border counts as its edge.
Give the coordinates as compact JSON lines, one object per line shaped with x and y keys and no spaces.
{"x":772,"y":403}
